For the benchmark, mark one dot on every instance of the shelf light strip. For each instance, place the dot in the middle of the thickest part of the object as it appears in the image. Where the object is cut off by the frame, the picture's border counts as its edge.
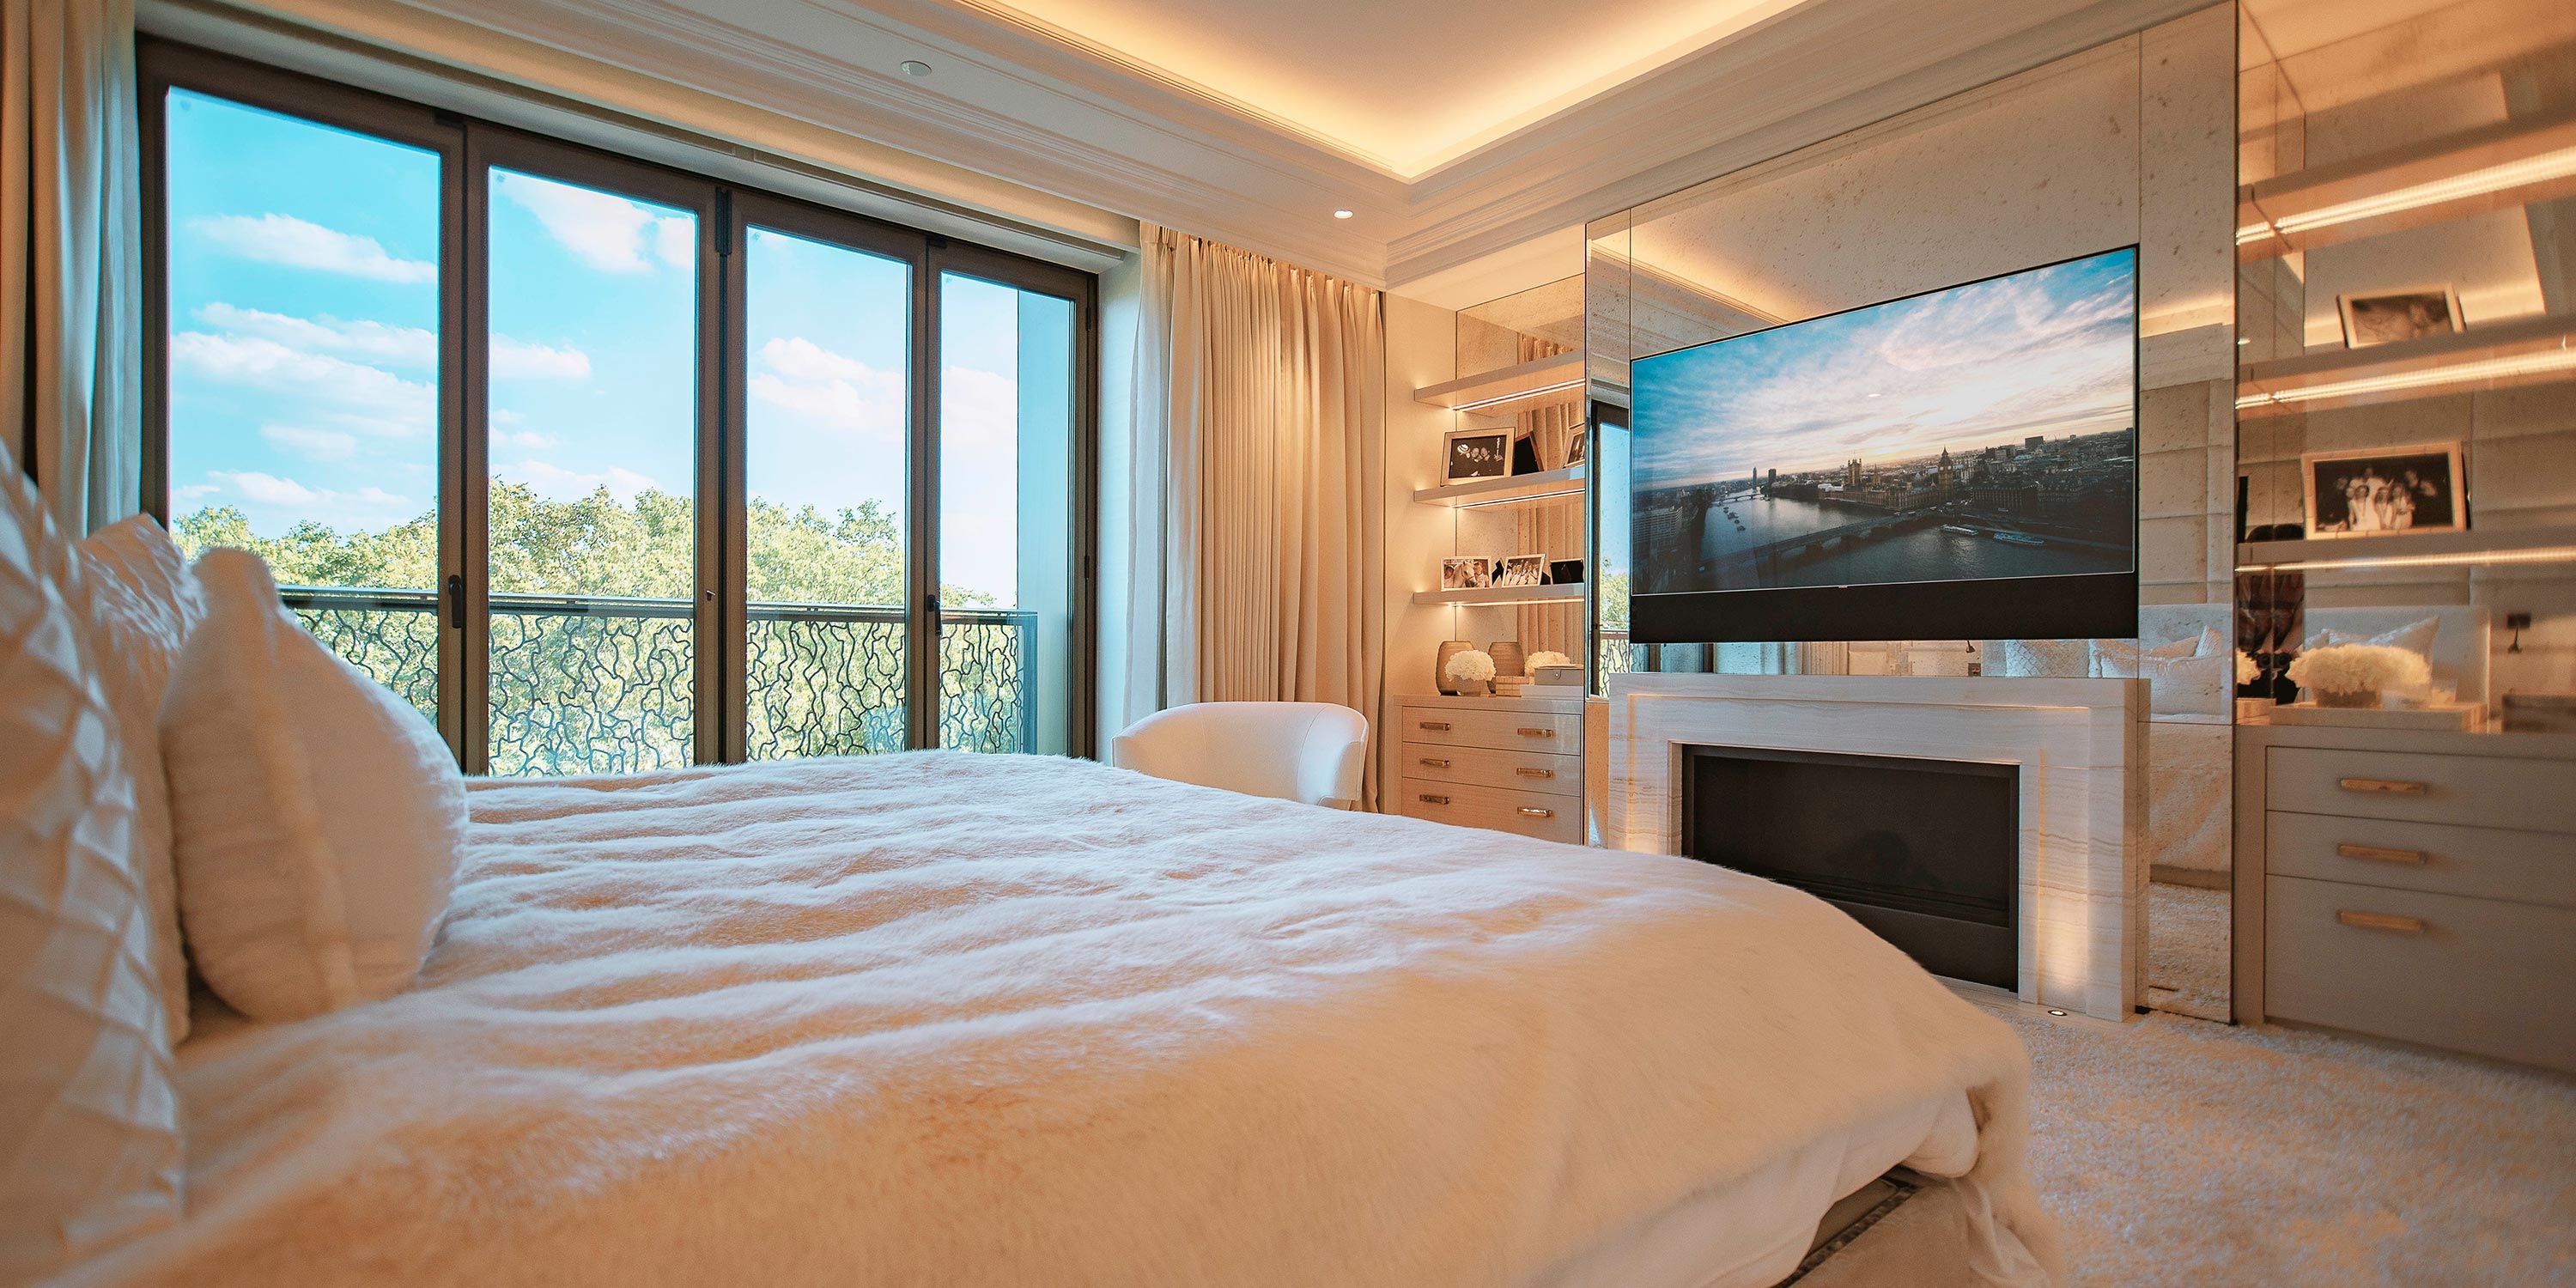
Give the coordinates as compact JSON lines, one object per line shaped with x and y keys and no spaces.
{"x":1522,"y":499}
{"x":2520,"y":364}
{"x":1559,"y":387}
{"x":2495,"y":178}
{"x":2542,"y":554}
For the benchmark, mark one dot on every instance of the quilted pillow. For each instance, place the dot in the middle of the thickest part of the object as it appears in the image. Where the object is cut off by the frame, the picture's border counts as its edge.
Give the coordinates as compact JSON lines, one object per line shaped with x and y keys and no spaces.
{"x":140,"y":601}
{"x":89,"y":1122}
{"x":317,"y":818}
{"x":2415,"y":637}
{"x":2042,"y":658}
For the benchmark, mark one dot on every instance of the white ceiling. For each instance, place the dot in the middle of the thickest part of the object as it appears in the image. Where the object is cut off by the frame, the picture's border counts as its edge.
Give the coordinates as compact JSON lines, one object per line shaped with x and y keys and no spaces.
{"x":1426,"y":83}
{"x":1453,"y":129}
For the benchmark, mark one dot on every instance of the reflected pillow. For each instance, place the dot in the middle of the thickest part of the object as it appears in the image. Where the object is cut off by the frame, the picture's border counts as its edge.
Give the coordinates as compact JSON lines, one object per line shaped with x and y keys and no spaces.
{"x":2061,"y":658}
{"x":2415,"y":637}
{"x":317,"y":818}
{"x":140,"y":602}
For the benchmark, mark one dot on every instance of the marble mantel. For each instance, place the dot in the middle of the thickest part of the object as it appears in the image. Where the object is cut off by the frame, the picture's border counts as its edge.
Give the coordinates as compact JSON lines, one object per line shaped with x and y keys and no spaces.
{"x":2079,"y":745}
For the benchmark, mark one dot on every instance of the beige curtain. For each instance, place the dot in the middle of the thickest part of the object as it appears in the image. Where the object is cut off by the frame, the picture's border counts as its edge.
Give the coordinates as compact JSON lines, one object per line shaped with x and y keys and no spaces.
{"x":1257,"y":547}
{"x":71,"y":246}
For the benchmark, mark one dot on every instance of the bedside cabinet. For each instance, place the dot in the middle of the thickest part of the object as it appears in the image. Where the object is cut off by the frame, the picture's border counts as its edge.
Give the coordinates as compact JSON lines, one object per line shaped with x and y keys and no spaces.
{"x":1510,"y":764}
{"x":2416,"y":886}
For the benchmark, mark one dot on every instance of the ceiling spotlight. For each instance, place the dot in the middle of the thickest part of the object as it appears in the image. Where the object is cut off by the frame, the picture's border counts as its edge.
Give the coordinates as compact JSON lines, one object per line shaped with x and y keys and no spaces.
{"x":1341,"y":214}
{"x":914,"y":68}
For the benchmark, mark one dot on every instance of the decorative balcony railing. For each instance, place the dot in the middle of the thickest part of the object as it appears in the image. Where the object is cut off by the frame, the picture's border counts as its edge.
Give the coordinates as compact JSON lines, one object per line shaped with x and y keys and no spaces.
{"x":598,"y":684}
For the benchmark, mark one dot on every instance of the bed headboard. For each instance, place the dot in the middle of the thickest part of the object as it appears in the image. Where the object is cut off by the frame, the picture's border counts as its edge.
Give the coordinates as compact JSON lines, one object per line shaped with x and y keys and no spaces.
{"x":2460,"y":643}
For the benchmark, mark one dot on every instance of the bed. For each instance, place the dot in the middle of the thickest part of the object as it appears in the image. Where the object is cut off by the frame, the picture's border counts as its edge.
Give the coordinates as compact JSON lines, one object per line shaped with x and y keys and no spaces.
{"x":936,"y":1018}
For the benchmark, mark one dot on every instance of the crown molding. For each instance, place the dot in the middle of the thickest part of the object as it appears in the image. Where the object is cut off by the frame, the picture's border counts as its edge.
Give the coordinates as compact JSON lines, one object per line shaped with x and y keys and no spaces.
{"x":1024,"y":104}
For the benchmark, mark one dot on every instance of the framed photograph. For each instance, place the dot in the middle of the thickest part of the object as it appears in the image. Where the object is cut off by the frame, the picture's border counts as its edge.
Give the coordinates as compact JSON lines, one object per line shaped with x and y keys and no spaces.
{"x":2384,"y":317}
{"x":1470,"y":572}
{"x":1564,"y":572}
{"x":1576,"y":447}
{"x":2376,"y":491}
{"x":1521,"y":570}
{"x":1470,"y":454}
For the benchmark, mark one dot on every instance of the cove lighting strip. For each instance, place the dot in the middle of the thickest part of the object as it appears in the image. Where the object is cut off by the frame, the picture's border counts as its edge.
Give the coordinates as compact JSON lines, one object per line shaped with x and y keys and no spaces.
{"x":2433,"y":192}
{"x":1523,"y":499}
{"x":2520,"y":364}
{"x":2541,"y":554}
{"x":1517,"y":394}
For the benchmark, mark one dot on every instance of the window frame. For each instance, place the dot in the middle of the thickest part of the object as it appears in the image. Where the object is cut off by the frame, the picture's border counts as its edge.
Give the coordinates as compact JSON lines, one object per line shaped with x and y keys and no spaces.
{"x":468,"y":149}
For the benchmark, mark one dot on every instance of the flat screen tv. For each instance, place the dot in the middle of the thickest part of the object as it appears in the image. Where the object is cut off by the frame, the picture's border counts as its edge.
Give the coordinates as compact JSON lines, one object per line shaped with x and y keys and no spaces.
{"x":1960,"y":464}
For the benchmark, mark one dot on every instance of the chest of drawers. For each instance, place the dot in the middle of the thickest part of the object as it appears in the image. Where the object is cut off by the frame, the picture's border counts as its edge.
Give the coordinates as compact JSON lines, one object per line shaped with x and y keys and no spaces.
{"x":1513,"y":765}
{"x":2414,"y":886}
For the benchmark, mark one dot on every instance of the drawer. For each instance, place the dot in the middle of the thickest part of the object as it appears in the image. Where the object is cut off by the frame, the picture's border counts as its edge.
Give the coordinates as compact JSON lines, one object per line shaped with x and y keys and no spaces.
{"x":2475,"y":791}
{"x":1510,"y":730}
{"x":1518,"y":771}
{"x":1549,"y":818}
{"x":2473,"y":975}
{"x":2439,"y":858}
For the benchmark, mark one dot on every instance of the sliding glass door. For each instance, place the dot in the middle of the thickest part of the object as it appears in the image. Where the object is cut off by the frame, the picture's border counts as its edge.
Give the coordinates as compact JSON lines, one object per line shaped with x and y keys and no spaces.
{"x":606,"y":466}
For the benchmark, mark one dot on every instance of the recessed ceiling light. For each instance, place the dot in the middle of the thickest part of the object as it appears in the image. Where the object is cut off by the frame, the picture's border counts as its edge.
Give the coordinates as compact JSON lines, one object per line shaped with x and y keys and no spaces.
{"x":1341,"y":214}
{"x":915,"y":68}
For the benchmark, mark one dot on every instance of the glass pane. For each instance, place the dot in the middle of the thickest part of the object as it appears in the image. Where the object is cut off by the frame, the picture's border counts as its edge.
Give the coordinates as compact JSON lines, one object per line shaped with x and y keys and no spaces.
{"x":593,"y":425}
{"x":1005,"y":518}
{"x":303,"y":373}
{"x":829,"y":334}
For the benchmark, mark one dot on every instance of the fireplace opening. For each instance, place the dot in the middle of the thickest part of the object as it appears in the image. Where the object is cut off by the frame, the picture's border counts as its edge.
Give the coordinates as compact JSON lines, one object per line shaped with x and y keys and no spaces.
{"x":1924,"y":852}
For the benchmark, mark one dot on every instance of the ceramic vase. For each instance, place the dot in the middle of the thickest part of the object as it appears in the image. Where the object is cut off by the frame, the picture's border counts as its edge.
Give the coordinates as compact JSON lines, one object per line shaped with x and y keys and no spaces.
{"x":1440,"y":665}
{"x":1508,"y":658}
{"x":2350,"y":698}
{"x":1471,"y":688}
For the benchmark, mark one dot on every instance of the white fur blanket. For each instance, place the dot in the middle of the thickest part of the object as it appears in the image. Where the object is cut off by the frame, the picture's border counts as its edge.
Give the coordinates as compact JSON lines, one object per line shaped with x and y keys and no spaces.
{"x":958,"y":1020}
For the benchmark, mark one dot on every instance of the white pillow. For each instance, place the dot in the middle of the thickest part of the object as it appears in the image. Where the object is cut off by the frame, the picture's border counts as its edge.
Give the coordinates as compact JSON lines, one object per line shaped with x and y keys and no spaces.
{"x":2043,"y":658}
{"x":2120,"y":659}
{"x":140,"y":601}
{"x":317,"y":816}
{"x":2199,"y":685}
{"x":89,"y":1122}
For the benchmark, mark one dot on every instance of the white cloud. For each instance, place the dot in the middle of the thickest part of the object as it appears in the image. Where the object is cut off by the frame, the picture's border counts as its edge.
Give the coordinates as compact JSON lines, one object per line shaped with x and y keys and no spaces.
{"x":317,"y":444}
{"x":830,"y":389}
{"x":408,"y":345}
{"x":269,"y":489}
{"x":605,"y":231}
{"x":372,"y":399}
{"x":554,"y":482}
{"x":525,"y":439}
{"x":527,"y":360}
{"x":296,"y":243}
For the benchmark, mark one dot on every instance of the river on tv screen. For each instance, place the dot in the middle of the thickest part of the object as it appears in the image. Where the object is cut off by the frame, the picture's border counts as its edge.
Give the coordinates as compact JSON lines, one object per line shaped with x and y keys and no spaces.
{"x":1983,"y":431}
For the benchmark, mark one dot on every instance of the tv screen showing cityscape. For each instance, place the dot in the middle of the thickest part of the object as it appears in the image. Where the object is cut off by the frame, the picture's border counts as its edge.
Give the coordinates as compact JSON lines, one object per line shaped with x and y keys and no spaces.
{"x":1984,"y":433}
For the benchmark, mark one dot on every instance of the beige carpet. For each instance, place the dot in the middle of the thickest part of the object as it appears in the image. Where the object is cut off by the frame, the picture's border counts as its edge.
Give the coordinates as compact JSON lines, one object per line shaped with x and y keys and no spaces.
{"x":2187,"y":945}
{"x":2180,"y":1152}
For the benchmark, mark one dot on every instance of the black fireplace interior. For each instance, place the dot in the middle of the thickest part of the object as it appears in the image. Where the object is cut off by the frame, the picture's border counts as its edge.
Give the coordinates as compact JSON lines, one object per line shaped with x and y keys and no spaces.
{"x":1925,"y":852}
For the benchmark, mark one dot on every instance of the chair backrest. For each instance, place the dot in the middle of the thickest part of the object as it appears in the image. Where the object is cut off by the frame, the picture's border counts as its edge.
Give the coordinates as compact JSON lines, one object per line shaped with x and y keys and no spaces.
{"x":1298,"y":751}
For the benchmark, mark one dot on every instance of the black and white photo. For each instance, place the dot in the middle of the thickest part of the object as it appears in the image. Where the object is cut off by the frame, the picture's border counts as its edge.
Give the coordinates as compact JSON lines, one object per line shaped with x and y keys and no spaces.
{"x":1466,"y":572}
{"x":1472,"y":454}
{"x":1521,"y":570}
{"x":2385,"y":317}
{"x":2377,"y":491}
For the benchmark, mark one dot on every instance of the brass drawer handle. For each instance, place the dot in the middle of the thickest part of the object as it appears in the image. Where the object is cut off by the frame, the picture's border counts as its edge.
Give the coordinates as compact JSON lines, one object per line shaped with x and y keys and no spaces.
{"x":1429,"y":799}
{"x":2391,"y":786}
{"x":1538,"y":733}
{"x":2380,"y":921}
{"x":1433,"y":762}
{"x":2380,"y":853}
{"x":1527,"y":772}
{"x":1436,"y":726}
{"x":1538,"y":813}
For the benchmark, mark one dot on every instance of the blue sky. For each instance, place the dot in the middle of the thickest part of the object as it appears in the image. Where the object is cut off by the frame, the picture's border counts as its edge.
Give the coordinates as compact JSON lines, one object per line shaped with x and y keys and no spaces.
{"x":303,"y":345}
{"x":2050,"y":351}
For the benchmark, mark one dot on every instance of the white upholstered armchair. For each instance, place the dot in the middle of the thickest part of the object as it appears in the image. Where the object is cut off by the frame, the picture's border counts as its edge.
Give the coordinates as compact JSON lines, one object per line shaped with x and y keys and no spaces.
{"x":1295,"y":751}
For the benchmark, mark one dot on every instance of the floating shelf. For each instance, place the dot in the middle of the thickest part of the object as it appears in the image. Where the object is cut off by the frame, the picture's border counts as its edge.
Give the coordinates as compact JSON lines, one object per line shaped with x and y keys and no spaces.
{"x":1559,"y":593}
{"x":1547,"y":382}
{"x":2507,"y":353}
{"x":2489,"y":168}
{"x":1519,"y":489}
{"x":2551,"y":544}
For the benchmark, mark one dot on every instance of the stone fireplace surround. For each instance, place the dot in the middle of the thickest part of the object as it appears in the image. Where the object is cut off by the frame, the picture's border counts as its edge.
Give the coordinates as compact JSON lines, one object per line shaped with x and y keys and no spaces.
{"x":2079,"y":745}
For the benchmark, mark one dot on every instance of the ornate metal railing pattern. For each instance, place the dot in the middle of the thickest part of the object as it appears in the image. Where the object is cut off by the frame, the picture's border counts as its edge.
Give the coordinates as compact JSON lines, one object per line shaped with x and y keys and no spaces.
{"x":593,"y":684}
{"x":1615,"y":655}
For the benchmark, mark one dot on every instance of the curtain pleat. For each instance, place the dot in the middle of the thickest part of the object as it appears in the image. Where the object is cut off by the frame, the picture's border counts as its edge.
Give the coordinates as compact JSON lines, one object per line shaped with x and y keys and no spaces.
{"x":1258,"y":542}
{"x":1555,"y":529}
{"x":71,"y":246}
